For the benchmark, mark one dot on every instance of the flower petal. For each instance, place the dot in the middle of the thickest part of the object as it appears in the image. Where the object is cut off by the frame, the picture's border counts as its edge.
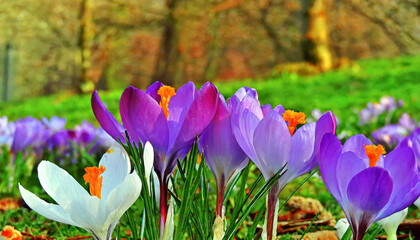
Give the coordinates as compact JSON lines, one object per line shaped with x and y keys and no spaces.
{"x":106,"y":119}
{"x":199,"y":115}
{"x":122,"y":198}
{"x":272,"y":142}
{"x":148,"y":158}
{"x":330,"y":151}
{"x":402,"y":167}
{"x":153,"y":89}
{"x":357,"y":145}
{"x":325,"y":124}
{"x":117,"y":167}
{"x":303,"y":140}
{"x":144,"y":119}
{"x":243,"y":91}
{"x":58,"y":183}
{"x":369,"y":190}
{"x":348,"y":166}
{"x":244,"y":121}
{"x":178,"y":109}
{"x":48,"y":210}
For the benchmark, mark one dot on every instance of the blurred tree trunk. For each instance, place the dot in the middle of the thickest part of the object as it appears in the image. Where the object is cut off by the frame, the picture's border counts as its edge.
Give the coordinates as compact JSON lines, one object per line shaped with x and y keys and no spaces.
{"x":167,"y":61}
{"x":316,"y":36}
{"x":271,"y":31}
{"x":85,"y":83}
{"x":214,"y":51}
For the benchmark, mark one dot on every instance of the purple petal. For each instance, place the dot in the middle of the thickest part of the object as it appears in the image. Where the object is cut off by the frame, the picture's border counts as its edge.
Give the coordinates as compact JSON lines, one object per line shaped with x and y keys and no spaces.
{"x":302,"y":149}
{"x":153,"y":89}
{"x":272,"y":142}
{"x":357,"y":145}
{"x":370,"y":190}
{"x":178,"y":109}
{"x":266,"y":108}
{"x":106,"y":119}
{"x":243,"y":91}
{"x":279,"y":109}
{"x":244,"y":123}
{"x":348,"y":166}
{"x":402,"y":167}
{"x":144,"y":119}
{"x":326,"y":124}
{"x":330,"y":151}
{"x":199,"y":115}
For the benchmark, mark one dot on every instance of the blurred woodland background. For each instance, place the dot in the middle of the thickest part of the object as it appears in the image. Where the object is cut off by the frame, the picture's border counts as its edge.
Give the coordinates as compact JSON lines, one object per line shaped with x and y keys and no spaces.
{"x":64,"y":46}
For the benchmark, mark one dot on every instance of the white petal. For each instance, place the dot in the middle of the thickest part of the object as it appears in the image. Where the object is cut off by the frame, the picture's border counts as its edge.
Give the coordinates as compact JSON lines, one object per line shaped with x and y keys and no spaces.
{"x":168,"y":232}
{"x":390,"y":224}
{"x":87,"y":212}
{"x":58,"y":183}
{"x":48,"y":210}
{"x":148,"y":158}
{"x":121,"y":198}
{"x":341,"y":227}
{"x":117,"y":167}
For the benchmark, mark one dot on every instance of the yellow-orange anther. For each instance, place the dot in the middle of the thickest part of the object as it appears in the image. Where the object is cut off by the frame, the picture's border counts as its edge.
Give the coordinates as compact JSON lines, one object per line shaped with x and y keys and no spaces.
{"x":374,"y":153}
{"x":110,"y":150}
{"x":10,"y":233}
{"x":293,"y":118}
{"x":165,"y":93}
{"x":94,"y":179}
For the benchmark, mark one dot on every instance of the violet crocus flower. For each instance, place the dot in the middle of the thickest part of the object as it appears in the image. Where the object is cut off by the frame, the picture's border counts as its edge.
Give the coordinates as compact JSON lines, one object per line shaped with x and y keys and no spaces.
{"x":169,"y":120}
{"x":367,"y":185}
{"x":391,"y":135}
{"x":270,"y":142}
{"x":223,"y":154}
{"x":29,"y":132}
{"x":7,"y":130}
{"x":55,"y":123}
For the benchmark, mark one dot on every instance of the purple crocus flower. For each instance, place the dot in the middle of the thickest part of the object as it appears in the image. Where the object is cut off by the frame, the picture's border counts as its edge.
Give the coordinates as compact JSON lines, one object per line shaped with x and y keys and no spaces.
{"x":270,"y":142}
{"x":29,"y":132}
{"x":391,"y":135}
{"x":7,"y":130}
{"x":55,"y":123}
{"x":169,"y":121}
{"x":367,"y":185}
{"x":223,"y":155}
{"x":413,"y":142}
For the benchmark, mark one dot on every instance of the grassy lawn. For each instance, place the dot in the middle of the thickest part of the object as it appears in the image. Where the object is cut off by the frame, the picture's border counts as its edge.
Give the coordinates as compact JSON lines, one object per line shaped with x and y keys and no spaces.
{"x":343,"y":91}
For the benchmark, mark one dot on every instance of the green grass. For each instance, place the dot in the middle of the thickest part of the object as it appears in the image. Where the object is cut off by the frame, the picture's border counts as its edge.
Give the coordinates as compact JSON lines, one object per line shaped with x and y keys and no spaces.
{"x":343,"y":91}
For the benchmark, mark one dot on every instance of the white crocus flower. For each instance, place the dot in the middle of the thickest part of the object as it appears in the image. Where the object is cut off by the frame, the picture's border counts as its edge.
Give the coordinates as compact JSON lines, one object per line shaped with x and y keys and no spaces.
{"x":390,"y":224}
{"x":113,"y":190}
{"x":341,"y":226}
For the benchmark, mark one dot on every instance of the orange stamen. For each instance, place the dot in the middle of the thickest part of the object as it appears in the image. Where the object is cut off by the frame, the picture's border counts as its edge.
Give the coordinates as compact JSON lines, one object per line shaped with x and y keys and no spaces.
{"x":165,"y":93}
{"x":293,"y":118}
{"x":374,"y":153}
{"x":10,"y":233}
{"x":95,"y":181}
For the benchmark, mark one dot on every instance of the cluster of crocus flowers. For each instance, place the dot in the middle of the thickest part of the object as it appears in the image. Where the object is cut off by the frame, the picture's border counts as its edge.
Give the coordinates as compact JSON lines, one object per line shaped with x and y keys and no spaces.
{"x":113,"y":189}
{"x":170,"y":120}
{"x":270,"y":139}
{"x":51,"y":135}
{"x":368,"y":185}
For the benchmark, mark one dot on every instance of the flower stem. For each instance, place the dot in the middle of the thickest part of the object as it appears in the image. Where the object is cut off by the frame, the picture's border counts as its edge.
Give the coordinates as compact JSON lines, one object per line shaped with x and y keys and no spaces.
{"x":271,"y":207}
{"x":219,"y":201}
{"x":163,"y":205}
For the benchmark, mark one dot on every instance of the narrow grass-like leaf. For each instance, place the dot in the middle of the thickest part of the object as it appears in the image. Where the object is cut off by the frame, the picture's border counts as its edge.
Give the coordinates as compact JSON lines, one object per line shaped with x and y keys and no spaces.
{"x":309,"y":226}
